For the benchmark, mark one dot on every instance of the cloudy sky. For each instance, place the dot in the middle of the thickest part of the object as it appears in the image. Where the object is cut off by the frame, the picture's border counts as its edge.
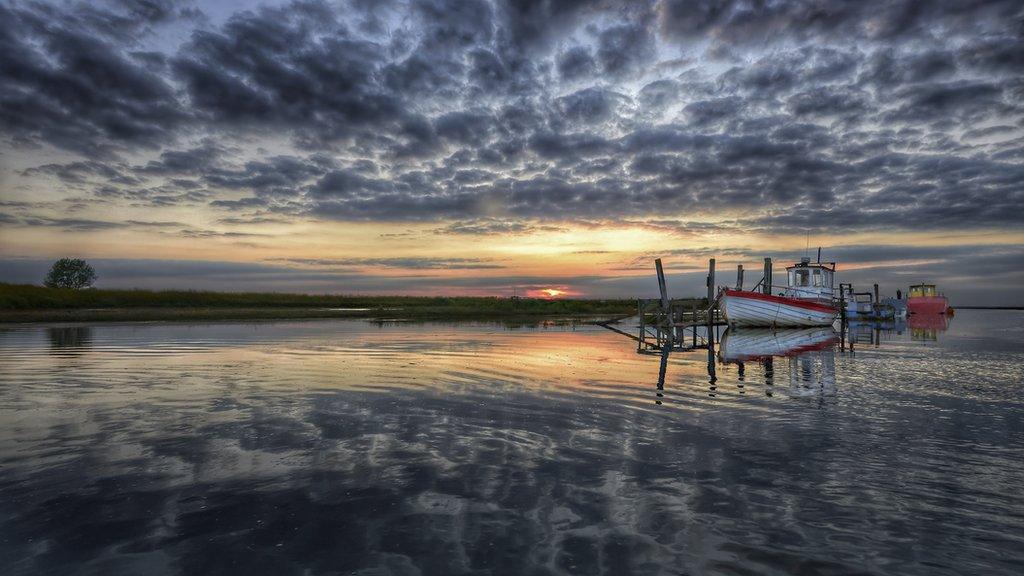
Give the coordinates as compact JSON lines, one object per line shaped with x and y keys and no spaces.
{"x":476,"y":146}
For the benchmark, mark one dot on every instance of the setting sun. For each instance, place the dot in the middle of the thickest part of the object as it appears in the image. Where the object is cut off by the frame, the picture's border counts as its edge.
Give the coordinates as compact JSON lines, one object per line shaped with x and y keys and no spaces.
{"x":546,"y":293}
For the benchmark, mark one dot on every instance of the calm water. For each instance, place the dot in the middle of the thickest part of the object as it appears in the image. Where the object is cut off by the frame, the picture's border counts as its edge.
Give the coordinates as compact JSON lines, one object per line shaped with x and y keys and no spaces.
{"x":340,"y":447}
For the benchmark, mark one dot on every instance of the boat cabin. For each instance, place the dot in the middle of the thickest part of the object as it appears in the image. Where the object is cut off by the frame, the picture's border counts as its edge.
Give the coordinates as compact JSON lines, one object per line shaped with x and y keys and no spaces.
{"x":812,"y":281}
{"x":923,"y":291}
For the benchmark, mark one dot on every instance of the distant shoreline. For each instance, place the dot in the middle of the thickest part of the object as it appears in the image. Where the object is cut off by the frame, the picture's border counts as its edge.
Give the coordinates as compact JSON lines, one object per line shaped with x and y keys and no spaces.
{"x":988,"y":307}
{"x":242,"y":314}
{"x":28,"y":303}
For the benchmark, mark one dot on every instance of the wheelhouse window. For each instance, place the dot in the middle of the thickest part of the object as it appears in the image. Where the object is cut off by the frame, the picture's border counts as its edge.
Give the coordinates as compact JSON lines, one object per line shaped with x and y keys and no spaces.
{"x":923,"y":290}
{"x":817,"y":276}
{"x":802,"y":278}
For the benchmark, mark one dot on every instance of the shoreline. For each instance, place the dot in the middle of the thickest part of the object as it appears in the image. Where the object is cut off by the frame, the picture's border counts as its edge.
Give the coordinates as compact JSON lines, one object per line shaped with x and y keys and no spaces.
{"x":189,"y":314}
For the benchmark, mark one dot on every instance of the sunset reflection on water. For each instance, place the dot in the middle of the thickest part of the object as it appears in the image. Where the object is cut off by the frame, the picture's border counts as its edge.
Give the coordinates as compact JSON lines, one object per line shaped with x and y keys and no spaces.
{"x":474,"y":448}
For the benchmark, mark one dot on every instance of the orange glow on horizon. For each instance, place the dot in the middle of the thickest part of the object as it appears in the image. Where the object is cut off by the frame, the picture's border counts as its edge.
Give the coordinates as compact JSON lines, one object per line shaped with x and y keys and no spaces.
{"x":551,"y":293}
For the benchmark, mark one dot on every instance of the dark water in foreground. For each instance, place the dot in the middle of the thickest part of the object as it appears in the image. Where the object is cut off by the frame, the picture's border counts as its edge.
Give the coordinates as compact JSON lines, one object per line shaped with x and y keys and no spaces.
{"x":343,"y":447}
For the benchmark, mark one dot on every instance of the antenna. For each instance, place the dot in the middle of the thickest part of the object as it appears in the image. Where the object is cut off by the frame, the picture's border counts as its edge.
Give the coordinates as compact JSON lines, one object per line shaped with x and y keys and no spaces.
{"x":819,"y":254}
{"x":807,"y":243}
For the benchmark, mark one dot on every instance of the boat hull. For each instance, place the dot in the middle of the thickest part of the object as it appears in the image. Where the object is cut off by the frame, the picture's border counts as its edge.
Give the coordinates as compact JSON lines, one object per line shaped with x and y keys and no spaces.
{"x":927,"y":304}
{"x":743,"y":308}
{"x":749,"y":344}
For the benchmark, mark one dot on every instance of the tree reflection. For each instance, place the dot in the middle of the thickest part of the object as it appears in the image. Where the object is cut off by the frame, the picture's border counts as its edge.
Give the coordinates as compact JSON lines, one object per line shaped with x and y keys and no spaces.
{"x":69,"y":339}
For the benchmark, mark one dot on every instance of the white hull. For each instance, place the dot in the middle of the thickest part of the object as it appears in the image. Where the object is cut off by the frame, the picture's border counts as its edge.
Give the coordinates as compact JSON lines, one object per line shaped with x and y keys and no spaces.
{"x":750,"y":343}
{"x":740,"y":310}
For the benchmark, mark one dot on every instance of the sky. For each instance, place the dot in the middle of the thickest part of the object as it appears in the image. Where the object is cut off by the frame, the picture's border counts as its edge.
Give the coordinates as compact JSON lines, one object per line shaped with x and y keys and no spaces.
{"x":496,"y":147}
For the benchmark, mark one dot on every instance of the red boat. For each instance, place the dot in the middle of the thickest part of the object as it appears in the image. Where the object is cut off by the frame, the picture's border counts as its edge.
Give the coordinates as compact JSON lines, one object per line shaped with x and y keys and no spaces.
{"x":925,"y":299}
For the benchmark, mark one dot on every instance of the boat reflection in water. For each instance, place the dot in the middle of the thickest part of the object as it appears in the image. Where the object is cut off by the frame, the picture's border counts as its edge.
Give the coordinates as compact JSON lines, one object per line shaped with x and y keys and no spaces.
{"x":922,"y":328}
{"x":926,"y":327}
{"x":807,"y":353}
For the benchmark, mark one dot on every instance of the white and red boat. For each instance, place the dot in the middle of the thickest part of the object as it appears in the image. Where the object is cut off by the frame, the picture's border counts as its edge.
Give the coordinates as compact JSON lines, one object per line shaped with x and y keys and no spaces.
{"x":807,"y":301}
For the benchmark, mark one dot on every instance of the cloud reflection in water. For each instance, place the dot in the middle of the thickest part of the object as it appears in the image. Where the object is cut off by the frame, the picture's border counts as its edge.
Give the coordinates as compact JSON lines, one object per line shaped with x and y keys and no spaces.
{"x":337,"y":447}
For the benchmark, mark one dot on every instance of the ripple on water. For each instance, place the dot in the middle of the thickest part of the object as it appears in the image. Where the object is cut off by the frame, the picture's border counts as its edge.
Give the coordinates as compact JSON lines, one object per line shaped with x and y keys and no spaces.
{"x":327,"y":447}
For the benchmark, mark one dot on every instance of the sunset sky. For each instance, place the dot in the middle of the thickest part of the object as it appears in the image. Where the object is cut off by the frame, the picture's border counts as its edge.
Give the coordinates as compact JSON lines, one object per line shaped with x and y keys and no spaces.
{"x":475,"y":147}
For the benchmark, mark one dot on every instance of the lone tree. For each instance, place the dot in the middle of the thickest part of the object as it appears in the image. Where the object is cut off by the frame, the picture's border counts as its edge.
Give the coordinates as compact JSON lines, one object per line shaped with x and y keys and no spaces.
{"x":70,"y":273}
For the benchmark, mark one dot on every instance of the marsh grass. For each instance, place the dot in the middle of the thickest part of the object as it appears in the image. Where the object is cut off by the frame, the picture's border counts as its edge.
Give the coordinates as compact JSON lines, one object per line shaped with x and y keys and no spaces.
{"x":24,"y":303}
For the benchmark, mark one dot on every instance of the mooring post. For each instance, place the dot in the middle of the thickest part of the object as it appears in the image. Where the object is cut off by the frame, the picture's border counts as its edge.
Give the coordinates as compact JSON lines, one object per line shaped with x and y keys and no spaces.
{"x":643,"y":329}
{"x":711,"y":282}
{"x":693,"y":322}
{"x":739,"y":276}
{"x":661,"y":284}
{"x":766,"y":284}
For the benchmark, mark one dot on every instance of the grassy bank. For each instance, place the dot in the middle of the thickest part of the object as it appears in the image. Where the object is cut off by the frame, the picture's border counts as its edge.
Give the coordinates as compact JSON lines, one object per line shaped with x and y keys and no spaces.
{"x":27,"y":303}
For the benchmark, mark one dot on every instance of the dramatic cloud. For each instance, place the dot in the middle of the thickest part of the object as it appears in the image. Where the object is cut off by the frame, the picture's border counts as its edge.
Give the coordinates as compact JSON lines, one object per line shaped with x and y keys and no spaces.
{"x":494,"y":117}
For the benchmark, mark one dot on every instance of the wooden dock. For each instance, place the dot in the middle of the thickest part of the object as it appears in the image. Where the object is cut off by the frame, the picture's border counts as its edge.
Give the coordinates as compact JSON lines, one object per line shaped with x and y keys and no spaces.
{"x":681,"y":324}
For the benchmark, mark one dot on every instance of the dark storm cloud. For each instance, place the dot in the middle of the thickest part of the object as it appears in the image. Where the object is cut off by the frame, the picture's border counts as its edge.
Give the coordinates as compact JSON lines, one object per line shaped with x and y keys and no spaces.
{"x":869,"y":114}
{"x":493,"y":226}
{"x":188,"y":162}
{"x":705,"y":112}
{"x":746,"y":22}
{"x":295,"y":67}
{"x":625,"y":49}
{"x":72,"y":224}
{"x":194,"y":233}
{"x":241,"y":203}
{"x":410,"y":263}
{"x":659,"y":94}
{"x":589,"y":106}
{"x":80,"y":172}
{"x":68,"y":81}
{"x":470,"y":128}
{"x":277,"y":175}
{"x":576,"y":62}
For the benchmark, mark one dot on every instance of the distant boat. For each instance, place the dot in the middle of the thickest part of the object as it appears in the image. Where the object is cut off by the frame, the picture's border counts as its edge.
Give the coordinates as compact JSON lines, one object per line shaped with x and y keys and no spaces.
{"x":747,"y":344}
{"x":925,"y":299}
{"x":807,"y":300}
{"x":859,"y":304}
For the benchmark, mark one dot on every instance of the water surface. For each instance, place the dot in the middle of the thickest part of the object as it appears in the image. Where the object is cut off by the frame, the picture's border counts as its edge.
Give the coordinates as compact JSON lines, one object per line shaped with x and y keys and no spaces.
{"x":338,"y":447}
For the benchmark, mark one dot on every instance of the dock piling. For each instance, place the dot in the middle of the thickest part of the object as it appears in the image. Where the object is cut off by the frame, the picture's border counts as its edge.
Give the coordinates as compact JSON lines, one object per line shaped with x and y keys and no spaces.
{"x":711,"y":281}
{"x":661,"y":284}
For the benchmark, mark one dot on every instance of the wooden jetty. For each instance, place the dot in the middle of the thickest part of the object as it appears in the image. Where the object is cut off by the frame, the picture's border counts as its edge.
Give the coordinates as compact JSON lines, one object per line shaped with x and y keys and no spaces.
{"x":678,"y":324}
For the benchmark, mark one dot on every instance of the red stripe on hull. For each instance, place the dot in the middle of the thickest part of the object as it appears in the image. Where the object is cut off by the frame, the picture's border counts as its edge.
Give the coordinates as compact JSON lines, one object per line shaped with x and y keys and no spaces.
{"x":795,"y":302}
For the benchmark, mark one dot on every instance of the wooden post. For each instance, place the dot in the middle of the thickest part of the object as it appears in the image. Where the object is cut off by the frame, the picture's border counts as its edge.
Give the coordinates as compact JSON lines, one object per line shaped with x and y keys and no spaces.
{"x":842,"y":304}
{"x":693,"y":322}
{"x":739,"y":276}
{"x":661,"y":284}
{"x":643,"y":329}
{"x":711,"y":282}
{"x":712,"y":375}
{"x":766,"y":284}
